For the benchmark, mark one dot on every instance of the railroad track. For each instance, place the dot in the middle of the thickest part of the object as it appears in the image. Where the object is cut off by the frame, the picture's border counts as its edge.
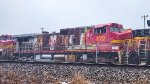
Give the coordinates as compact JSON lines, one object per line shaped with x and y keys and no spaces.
{"x":77,"y":64}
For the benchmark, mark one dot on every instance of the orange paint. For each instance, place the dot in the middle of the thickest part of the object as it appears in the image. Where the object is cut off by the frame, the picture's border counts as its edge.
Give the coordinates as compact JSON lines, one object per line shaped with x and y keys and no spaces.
{"x":100,"y":38}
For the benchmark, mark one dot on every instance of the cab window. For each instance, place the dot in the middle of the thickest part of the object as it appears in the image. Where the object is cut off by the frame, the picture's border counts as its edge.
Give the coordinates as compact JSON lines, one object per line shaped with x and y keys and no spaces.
{"x":100,"y":30}
{"x":115,"y":29}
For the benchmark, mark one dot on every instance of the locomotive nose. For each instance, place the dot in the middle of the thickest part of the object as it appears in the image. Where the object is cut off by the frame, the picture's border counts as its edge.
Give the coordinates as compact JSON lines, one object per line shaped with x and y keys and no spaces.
{"x":126,"y":34}
{"x":119,"y":37}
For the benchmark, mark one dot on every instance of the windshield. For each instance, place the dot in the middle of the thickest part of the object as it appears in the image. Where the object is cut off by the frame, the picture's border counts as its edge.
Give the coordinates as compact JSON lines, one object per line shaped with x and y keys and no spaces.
{"x":114,"y":29}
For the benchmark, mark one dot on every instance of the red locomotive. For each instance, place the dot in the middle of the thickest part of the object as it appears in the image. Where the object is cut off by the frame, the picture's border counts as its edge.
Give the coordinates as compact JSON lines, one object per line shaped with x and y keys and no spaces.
{"x":108,"y":40}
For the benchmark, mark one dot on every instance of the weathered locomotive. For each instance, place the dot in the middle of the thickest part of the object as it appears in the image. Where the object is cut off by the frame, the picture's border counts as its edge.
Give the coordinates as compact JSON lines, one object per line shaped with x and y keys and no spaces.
{"x":102,"y":43}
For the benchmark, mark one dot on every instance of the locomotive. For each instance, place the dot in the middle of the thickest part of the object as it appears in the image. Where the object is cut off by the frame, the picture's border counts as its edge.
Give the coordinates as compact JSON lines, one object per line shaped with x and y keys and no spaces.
{"x":7,"y":46}
{"x":102,"y":43}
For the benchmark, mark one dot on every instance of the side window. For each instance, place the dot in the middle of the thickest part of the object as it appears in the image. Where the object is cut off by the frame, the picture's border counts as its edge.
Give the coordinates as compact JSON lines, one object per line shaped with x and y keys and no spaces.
{"x":100,"y":30}
{"x":95,"y":31}
{"x":103,"y":30}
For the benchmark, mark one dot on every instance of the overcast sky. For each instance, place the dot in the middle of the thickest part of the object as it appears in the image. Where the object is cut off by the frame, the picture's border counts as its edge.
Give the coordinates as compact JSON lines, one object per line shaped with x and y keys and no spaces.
{"x":28,"y":16}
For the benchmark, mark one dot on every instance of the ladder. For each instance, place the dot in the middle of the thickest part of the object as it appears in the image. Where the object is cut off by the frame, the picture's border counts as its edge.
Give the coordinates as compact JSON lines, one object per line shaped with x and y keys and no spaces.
{"x":142,"y":52}
{"x":125,"y":54}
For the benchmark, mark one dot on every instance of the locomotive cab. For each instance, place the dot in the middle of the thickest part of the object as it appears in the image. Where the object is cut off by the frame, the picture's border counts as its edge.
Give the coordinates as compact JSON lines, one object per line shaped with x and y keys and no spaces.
{"x":107,"y":39}
{"x":104,"y":35}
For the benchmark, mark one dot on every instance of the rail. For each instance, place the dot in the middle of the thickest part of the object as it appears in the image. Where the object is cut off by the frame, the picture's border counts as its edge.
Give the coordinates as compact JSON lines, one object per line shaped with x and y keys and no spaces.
{"x":79,"y":64}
